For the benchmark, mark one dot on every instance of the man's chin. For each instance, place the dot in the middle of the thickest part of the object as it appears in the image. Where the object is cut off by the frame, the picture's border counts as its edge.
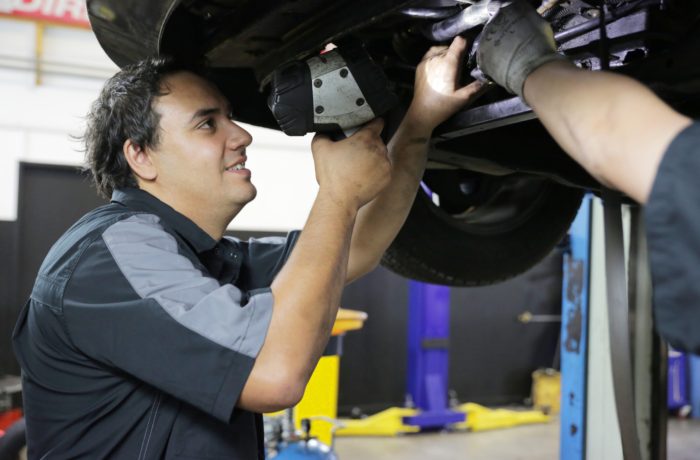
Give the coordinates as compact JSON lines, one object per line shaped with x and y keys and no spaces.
{"x":253,"y":192}
{"x":247,"y":198}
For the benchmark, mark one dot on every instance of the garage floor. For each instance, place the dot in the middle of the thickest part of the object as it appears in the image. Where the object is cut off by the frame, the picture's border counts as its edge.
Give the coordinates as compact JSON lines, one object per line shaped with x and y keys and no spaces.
{"x":531,"y":442}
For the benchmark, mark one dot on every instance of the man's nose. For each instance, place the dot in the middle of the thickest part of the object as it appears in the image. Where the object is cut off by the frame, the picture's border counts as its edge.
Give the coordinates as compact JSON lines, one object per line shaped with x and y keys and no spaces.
{"x":239,"y":138}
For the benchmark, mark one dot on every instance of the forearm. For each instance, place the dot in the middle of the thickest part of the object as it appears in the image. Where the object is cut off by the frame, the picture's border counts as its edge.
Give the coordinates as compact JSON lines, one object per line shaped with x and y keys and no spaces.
{"x":307,"y":291}
{"x":307,"y":295}
{"x":379,"y":221}
{"x":616,"y":128}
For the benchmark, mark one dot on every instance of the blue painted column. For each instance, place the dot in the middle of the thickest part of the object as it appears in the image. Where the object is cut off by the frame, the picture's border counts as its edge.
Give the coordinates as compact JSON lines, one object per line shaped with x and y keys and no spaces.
{"x":574,"y":336}
{"x":677,"y":394}
{"x":694,"y":367}
{"x":428,"y":355}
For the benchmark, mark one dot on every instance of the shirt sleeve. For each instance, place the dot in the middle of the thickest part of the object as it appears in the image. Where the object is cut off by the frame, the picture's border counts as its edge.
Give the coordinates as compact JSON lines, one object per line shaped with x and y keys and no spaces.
{"x":673,"y":231}
{"x":136,"y":304}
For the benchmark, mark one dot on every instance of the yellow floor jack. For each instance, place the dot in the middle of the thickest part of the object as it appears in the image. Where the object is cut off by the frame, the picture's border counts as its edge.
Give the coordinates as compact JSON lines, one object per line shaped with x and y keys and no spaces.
{"x":390,"y":422}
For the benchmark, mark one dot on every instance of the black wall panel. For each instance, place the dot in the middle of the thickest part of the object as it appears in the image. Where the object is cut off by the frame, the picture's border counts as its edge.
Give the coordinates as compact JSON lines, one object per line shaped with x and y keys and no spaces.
{"x":51,"y":199}
{"x":8,"y":294}
{"x":492,"y":353}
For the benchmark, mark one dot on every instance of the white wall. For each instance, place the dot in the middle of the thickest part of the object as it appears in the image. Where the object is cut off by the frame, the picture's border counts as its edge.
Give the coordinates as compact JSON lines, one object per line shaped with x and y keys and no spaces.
{"x":36,"y":122}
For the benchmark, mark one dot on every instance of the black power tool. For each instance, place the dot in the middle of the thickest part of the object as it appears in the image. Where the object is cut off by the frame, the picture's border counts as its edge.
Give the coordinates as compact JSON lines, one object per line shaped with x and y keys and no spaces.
{"x":337,"y":91}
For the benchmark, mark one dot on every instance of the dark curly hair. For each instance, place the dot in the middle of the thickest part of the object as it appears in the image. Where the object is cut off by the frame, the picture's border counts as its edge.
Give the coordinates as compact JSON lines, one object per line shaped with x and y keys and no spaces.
{"x":124,"y":110}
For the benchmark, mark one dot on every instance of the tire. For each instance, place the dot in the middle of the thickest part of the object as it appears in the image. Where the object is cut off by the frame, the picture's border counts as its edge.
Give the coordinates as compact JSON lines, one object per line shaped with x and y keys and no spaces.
{"x":13,"y":441}
{"x":498,"y":230}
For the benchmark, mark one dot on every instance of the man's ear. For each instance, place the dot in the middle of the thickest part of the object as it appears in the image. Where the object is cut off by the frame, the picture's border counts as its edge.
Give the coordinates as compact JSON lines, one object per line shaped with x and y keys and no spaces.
{"x":140,"y":161}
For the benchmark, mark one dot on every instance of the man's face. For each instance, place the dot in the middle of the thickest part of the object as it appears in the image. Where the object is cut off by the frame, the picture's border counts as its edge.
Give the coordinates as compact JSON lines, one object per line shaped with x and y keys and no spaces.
{"x":201,"y":155}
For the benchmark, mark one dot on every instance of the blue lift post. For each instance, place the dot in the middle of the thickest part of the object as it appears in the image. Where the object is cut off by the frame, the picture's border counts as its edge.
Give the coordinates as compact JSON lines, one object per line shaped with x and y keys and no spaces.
{"x":428,"y":356}
{"x":694,"y":367}
{"x":574,"y":336}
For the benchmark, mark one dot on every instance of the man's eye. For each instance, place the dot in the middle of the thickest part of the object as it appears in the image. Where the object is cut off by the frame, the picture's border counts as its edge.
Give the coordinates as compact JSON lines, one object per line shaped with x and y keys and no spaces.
{"x":207,"y":124}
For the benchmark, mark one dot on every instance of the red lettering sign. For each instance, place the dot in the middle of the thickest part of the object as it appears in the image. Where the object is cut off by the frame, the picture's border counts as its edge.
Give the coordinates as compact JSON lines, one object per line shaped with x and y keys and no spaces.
{"x":69,"y":12}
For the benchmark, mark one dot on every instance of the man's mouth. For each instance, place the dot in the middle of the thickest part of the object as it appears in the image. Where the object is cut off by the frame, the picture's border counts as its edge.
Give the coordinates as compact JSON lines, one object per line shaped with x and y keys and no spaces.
{"x":236,"y":167}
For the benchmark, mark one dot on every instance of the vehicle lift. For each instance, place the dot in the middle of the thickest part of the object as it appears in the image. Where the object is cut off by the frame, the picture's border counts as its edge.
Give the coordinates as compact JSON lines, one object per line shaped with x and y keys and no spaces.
{"x":613,"y":364}
{"x":428,"y":369}
{"x":428,"y":356}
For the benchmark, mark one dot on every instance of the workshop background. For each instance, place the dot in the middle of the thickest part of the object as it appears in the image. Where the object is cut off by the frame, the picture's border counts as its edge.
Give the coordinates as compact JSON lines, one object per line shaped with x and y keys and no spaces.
{"x":51,"y":69}
{"x":49,"y":77}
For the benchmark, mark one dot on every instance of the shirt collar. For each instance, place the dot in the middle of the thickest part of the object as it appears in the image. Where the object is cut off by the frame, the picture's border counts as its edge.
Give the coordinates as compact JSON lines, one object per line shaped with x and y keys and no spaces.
{"x":140,"y":200}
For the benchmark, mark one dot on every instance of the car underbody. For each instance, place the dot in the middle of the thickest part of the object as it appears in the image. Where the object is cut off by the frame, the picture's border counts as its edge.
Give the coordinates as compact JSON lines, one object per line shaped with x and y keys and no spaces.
{"x":501,"y":192}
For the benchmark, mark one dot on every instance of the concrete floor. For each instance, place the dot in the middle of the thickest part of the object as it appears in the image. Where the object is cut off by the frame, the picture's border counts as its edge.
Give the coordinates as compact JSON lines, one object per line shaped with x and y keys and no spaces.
{"x":529,"y":442}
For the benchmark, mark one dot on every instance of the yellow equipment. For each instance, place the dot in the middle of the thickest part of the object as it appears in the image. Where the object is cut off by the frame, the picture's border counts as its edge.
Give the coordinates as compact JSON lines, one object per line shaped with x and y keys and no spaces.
{"x":546,"y":390}
{"x":480,"y":418}
{"x":321,"y":395}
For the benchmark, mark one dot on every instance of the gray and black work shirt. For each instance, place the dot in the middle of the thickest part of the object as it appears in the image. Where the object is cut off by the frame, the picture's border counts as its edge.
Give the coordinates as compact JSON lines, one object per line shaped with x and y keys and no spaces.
{"x":139,"y":335}
{"x":672,"y":216}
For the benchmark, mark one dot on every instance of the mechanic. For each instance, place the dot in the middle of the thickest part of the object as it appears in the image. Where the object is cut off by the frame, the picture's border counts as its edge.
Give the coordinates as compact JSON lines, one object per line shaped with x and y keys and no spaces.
{"x":148,"y":333}
{"x":624,"y":136}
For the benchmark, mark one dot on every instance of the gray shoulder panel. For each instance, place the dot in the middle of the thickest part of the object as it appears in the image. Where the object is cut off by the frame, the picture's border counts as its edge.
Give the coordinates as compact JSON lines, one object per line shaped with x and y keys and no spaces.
{"x":149,"y":259}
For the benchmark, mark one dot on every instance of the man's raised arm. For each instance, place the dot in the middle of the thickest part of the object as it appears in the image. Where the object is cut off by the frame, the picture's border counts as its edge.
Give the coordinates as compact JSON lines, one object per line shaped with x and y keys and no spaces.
{"x":436,"y":97}
{"x":615,"y":127}
{"x":307,"y":290}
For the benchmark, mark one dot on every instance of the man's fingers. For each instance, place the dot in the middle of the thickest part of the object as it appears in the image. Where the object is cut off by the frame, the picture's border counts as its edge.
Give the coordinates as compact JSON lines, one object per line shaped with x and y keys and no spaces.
{"x":375,"y":126}
{"x":320,"y":140}
{"x":434,"y":51}
{"x":457,"y":47}
{"x":471,"y":90}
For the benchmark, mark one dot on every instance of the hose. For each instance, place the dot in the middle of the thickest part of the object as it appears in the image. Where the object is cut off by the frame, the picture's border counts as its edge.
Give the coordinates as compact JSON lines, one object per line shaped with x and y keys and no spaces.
{"x":430,"y":13}
{"x":470,"y":17}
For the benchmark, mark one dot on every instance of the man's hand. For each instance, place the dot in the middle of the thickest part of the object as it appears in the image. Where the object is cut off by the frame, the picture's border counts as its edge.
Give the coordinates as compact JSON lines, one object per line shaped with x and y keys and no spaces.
{"x":436,"y":94}
{"x":515,"y":43}
{"x":352,"y":171}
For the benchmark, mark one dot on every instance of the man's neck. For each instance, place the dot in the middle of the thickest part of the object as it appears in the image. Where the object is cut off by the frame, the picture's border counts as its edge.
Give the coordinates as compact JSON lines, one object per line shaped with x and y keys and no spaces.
{"x":212,"y":220}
